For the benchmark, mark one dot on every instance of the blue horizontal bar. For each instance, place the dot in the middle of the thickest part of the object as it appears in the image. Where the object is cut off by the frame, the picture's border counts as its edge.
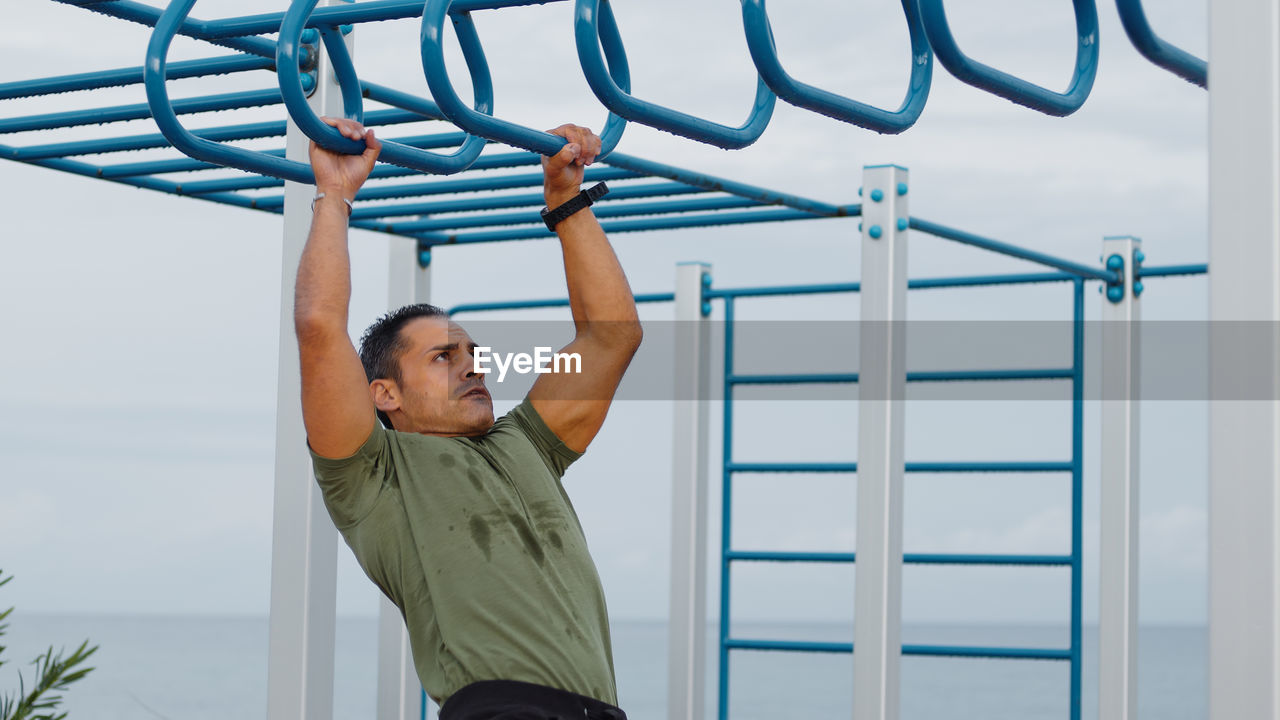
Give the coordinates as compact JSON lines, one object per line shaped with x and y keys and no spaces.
{"x":911,"y":467}
{"x":191,"y":27}
{"x":1001,"y":653}
{"x":460,"y":185}
{"x":988,"y":467}
{"x":661,"y":223}
{"x":131,"y":76}
{"x":920,"y":376}
{"x":1172,"y":270}
{"x":960,"y":236}
{"x":986,"y":375}
{"x":119,"y":113}
{"x":601,"y":210}
{"x":553,"y":302}
{"x":782,"y":290}
{"x":272,"y":128}
{"x":709,"y":182}
{"x":498,"y":160}
{"x":814,"y":557}
{"x":787,"y":645}
{"x":791,"y":467}
{"x":510,"y":201}
{"x":908,"y":558}
{"x":984,"y":559}
{"x":798,"y":379}
{"x":998,"y":653}
{"x":980,"y":280}
{"x":156,"y":167}
{"x":368,"y":11}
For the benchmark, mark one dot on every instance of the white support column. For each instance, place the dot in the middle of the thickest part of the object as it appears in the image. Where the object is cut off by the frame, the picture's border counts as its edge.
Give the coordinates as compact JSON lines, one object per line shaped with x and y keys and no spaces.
{"x":881,"y":388}
{"x":304,"y":544}
{"x":399,"y":691}
{"x":1244,"y":369}
{"x":1118,"y":583}
{"x":686,"y":651}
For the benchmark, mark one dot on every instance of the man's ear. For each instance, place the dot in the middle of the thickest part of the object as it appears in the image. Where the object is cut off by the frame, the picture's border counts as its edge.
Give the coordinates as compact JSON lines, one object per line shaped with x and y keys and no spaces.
{"x":386,"y":395}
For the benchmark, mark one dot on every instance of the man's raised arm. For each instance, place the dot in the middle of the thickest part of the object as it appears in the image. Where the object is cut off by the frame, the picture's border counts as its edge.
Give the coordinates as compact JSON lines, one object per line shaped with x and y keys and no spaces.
{"x":574,"y":405}
{"x":337,"y":407}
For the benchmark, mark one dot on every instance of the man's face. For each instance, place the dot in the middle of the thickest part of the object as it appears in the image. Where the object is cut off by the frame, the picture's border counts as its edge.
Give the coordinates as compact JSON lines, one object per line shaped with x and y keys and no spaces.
{"x":439,"y":392}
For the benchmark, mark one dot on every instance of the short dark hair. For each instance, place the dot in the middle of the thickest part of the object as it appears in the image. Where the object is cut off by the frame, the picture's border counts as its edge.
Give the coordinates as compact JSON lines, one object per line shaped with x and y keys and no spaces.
{"x":382,"y":343}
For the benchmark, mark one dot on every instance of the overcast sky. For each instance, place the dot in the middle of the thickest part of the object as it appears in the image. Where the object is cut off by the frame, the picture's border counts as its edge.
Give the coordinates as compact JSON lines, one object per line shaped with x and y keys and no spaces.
{"x":137,"y":386}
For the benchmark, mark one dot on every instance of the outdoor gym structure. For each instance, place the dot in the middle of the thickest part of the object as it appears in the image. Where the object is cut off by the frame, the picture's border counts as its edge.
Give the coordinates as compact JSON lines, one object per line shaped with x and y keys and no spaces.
{"x":313,"y":75}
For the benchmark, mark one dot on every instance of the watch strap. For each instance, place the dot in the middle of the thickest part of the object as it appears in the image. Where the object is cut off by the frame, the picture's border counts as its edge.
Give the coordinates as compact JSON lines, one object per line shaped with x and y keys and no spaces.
{"x":584,"y":199}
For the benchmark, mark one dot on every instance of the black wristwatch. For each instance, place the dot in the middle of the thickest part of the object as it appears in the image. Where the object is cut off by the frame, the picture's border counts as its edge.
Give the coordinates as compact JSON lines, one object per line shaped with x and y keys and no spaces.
{"x":583,"y":199}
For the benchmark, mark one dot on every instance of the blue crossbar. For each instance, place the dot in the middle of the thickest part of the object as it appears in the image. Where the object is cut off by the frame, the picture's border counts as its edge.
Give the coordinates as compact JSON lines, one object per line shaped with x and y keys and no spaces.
{"x":960,"y":236}
{"x":132,"y":76}
{"x":910,"y":558}
{"x":996,"y":653}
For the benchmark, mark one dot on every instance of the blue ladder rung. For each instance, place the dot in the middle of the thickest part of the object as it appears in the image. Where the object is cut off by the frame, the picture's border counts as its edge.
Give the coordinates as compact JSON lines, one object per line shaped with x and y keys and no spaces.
{"x":1017,"y":466}
{"x":797,"y":379}
{"x":970,"y":651}
{"x":909,"y":558}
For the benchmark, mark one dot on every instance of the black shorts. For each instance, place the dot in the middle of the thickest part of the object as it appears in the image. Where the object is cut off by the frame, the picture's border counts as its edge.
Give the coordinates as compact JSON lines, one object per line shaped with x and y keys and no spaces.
{"x":512,"y":700}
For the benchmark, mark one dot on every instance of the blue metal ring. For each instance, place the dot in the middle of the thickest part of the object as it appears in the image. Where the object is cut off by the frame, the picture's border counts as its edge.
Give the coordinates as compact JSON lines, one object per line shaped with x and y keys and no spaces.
{"x":1144,"y":39}
{"x":590,"y":17}
{"x":764,"y":53}
{"x":1013,"y":88}
{"x":167,"y":26}
{"x":291,"y":29}
{"x":481,"y":121}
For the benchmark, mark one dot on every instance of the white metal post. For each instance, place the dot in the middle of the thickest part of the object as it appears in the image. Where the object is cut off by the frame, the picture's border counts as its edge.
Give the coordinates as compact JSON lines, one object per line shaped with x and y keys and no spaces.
{"x":686,"y":651}
{"x":1118,"y":582}
{"x":304,"y":544}
{"x":1244,"y":370}
{"x":881,"y":388}
{"x":399,"y":691}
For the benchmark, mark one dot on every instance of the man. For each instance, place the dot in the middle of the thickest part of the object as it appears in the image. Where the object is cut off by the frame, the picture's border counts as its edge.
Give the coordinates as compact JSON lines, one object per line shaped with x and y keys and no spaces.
{"x":460,"y":520}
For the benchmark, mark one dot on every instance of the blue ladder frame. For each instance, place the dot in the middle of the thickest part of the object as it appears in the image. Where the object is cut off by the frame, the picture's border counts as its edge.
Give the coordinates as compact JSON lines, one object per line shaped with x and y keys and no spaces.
{"x":729,"y":555}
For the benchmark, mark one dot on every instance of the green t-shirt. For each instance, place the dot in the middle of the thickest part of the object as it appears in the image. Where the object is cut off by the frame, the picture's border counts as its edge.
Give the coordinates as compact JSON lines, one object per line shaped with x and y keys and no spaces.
{"x":475,"y":540}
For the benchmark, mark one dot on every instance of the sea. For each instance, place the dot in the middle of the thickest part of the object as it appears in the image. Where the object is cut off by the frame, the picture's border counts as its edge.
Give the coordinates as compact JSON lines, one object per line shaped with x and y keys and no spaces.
{"x":212,"y":668}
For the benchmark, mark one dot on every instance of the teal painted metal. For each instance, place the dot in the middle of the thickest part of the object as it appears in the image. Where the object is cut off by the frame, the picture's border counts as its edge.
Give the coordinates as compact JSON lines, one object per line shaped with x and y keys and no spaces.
{"x":726,"y":514}
{"x":594,"y":24}
{"x":480,"y":120}
{"x":1073,"y":467}
{"x":1013,"y":88}
{"x":1077,"y":495}
{"x":966,"y":238}
{"x":287,"y":56}
{"x":764,"y":53}
{"x":1144,"y":39}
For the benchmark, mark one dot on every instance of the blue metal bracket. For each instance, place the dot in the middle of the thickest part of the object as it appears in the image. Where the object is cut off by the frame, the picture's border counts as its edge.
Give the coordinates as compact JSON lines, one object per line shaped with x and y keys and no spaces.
{"x":481,"y":121}
{"x":1008,"y":86}
{"x":1144,"y":39}
{"x":594,"y":24}
{"x":291,"y":89}
{"x":765,"y":55}
{"x":1115,"y":288}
